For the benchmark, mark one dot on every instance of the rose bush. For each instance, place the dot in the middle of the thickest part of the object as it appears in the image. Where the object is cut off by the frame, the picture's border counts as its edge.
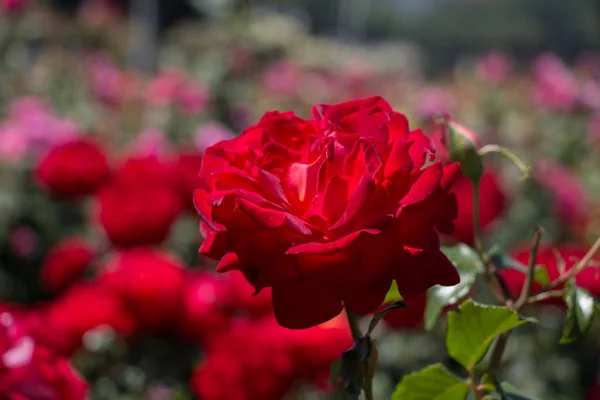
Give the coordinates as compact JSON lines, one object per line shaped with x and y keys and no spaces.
{"x":330,"y":210}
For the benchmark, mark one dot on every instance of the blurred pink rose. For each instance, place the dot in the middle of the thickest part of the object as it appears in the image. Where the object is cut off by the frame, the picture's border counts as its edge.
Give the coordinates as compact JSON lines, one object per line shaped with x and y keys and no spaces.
{"x":554,"y":87}
{"x":12,"y":6}
{"x":494,"y":67}
{"x":24,"y":241}
{"x":174,"y":87}
{"x":590,"y":94}
{"x":163,"y":90}
{"x":151,"y":142}
{"x":211,"y":133}
{"x":570,"y":199}
{"x":106,"y":78}
{"x":282,"y":78}
{"x":31,"y":128}
{"x":193,"y":98}
{"x":13,"y":144}
{"x":433,"y":101}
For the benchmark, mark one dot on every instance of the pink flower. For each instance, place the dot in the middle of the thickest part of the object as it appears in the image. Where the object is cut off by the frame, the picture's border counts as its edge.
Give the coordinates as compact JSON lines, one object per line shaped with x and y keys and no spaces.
{"x":570,"y":199}
{"x":12,"y":6}
{"x":282,"y":78}
{"x":106,"y":78}
{"x":24,"y":241}
{"x":151,"y":142}
{"x":494,"y":67}
{"x":433,"y":101}
{"x":554,"y":87}
{"x":193,"y":98}
{"x":211,"y":133}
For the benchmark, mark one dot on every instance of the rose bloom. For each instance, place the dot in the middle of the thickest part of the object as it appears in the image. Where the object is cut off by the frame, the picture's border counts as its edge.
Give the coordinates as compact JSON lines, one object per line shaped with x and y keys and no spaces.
{"x":550,"y":257}
{"x":149,"y":282}
{"x":31,"y":371}
{"x":330,"y":210}
{"x":65,"y":263}
{"x":139,"y":205}
{"x":74,"y":169}
{"x":204,"y":315}
{"x":80,"y":309}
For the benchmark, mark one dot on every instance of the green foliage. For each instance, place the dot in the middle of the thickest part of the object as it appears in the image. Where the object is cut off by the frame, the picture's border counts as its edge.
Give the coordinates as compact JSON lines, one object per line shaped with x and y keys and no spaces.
{"x":579,"y":315}
{"x":473,"y":327}
{"x":469,"y":266}
{"x":512,"y":393}
{"x":432,"y":383}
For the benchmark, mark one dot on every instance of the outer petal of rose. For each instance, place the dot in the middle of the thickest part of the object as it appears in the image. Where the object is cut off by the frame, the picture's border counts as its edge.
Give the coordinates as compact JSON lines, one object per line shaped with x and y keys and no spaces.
{"x":272,"y":219}
{"x":214,"y":243}
{"x":398,"y":127}
{"x":205,"y":210}
{"x":451,"y":173}
{"x":423,"y":270}
{"x":425,"y":185}
{"x":364,"y":298}
{"x":229,"y":262}
{"x":305,"y":303}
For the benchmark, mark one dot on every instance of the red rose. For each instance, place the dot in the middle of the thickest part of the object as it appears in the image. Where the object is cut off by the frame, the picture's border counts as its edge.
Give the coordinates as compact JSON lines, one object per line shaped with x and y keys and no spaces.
{"x":149,"y":282}
{"x":186,"y":179}
{"x":73,"y":169}
{"x":139,"y":205}
{"x":82,"y":308}
{"x":329,"y":211}
{"x":410,"y":317}
{"x":29,"y":371}
{"x":550,"y":257}
{"x":65,"y":263}
{"x":203,"y":311}
{"x":251,"y":361}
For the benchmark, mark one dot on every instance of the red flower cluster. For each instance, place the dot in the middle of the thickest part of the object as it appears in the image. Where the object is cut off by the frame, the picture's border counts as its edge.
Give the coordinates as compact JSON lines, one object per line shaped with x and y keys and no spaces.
{"x":65,"y":263}
{"x":30,"y":371}
{"x":261,"y":360}
{"x":330,"y":210}
{"x":73,"y":169}
{"x":552,"y":258}
{"x":139,"y":205}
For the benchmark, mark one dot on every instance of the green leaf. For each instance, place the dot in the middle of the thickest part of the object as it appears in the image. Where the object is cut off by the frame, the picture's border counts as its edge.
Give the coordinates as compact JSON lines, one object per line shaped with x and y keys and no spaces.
{"x":469,"y":265}
{"x":393,"y":294}
{"x":432,"y":383}
{"x":334,"y":371}
{"x":473,"y":327}
{"x":579,"y":315}
{"x":512,"y":393}
{"x":540,"y":275}
{"x":464,"y":258}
